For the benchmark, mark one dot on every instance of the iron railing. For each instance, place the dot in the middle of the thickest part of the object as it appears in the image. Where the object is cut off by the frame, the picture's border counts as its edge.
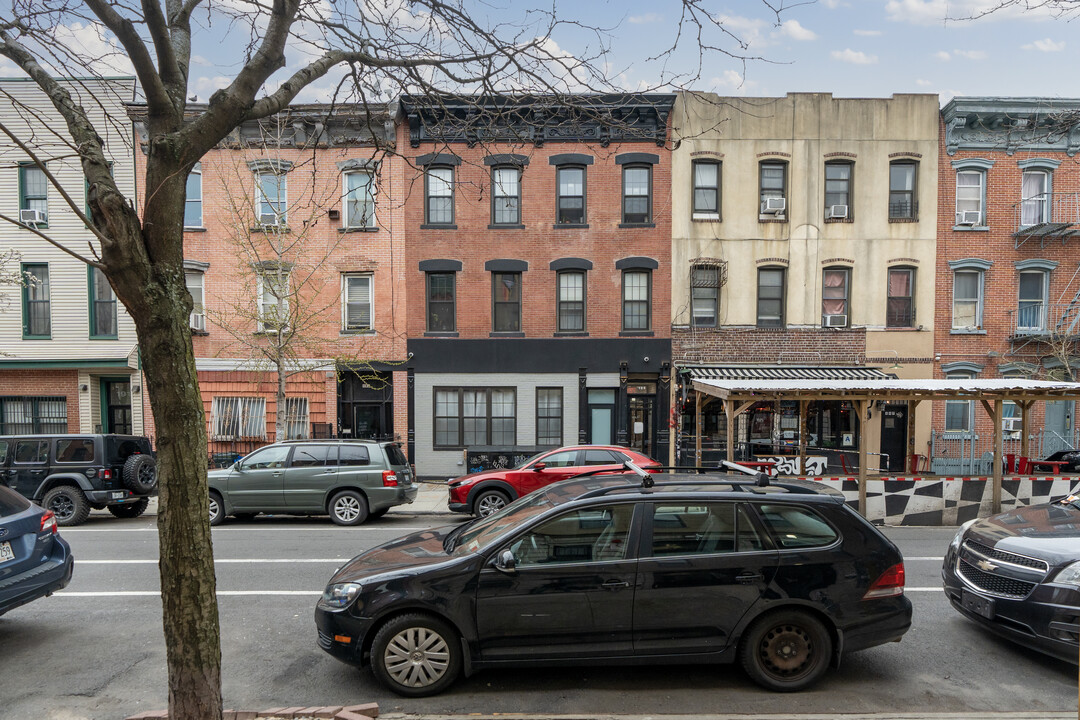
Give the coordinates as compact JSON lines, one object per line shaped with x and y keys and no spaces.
{"x":972,"y":454}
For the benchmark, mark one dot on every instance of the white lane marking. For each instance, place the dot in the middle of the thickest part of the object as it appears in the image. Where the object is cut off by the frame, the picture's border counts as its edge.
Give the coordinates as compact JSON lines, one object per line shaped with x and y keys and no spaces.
{"x":219,"y":561}
{"x":925,"y":557}
{"x":156,"y":593}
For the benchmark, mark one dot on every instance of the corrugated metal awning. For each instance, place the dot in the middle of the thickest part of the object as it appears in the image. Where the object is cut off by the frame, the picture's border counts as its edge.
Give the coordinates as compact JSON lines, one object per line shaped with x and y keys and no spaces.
{"x":784,"y":372}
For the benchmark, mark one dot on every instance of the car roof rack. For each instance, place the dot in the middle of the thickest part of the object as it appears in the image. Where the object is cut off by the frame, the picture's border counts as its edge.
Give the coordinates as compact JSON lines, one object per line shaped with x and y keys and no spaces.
{"x":648,"y":483}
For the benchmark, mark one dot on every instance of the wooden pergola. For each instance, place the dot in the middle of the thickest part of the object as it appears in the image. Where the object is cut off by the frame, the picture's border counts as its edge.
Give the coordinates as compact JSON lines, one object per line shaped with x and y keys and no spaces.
{"x":740,"y":395}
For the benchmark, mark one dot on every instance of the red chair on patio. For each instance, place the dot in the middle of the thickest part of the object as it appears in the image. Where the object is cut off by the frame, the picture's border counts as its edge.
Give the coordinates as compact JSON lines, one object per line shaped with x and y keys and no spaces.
{"x":1023,"y":467}
{"x":1010,"y":462}
{"x":918,"y":463}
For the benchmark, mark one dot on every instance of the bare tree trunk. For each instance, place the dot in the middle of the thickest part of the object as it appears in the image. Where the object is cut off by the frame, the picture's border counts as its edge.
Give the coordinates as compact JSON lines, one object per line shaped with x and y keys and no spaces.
{"x":282,"y":424}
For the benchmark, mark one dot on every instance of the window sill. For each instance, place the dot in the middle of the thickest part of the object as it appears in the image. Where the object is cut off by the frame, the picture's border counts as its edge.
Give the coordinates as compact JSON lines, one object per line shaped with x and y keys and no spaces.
{"x":769,"y":220}
{"x":904,"y":220}
{"x":839,"y":221}
{"x":506,"y":334}
{"x":637,"y":333}
{"x":198,"y":333}
{"x":770,"y":327}
{"x":440,"y":226}
{"x":904,"y":328}
{"x":624,"y":226}
{"x":971,"y":228}
{"x":358,"y":230}
{"x":705,"y":218}
{"x":698,"y":327}
{"x":104,"y":337}
{"x":963,"y":331}
{"x":37,"y":337}
{"x":367,"y":331}
{"x":571,"y":226}
{"x":270,"y":229}
{"x":574,"y":333}
{"x":441,"y":333}
{"x":195,"y":229}
{"x":507,"y":226}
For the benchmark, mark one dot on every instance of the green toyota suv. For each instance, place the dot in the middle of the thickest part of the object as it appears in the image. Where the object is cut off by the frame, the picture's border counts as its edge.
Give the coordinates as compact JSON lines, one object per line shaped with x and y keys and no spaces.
{"x":351,"y":480}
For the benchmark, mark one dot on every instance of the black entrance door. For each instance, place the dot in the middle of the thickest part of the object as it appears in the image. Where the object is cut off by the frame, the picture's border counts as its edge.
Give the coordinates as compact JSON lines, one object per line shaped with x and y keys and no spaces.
{"x":894,"y":436}
{"x":641,"y":428}
{"x":118,"y":407}
{"x":368,"y":420}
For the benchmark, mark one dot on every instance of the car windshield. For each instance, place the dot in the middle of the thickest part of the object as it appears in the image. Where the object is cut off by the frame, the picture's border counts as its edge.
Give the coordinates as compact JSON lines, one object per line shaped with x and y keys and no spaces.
{"x":533,"y":459}
{"x":481,"y":533}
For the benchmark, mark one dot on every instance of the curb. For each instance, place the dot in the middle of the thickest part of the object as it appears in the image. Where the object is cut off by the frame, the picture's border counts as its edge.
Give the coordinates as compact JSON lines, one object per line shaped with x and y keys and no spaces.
{"x":367,"y":711}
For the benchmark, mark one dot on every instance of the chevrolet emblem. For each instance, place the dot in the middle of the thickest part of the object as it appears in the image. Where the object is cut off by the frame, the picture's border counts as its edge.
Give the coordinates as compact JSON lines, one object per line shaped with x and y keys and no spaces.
{"x":986,"y":566}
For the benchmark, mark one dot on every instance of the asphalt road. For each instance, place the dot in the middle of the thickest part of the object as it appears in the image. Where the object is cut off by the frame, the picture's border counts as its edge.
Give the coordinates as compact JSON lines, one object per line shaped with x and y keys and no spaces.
{"x":96,"y":650}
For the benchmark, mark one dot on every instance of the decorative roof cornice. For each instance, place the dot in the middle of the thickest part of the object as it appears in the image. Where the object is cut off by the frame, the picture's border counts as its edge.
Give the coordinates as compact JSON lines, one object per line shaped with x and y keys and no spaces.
{"x":1008,"y":124}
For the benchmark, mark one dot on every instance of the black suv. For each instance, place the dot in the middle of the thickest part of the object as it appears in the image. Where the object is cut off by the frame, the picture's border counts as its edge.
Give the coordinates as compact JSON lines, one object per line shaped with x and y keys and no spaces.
{"x":70,"y":474}
{"x":607,"y":570}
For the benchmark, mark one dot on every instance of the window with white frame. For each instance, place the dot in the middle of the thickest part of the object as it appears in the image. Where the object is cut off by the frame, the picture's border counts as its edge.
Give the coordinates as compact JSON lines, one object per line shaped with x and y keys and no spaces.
{"x":959,"y":413}
{"x":1034,"y":194}
{"x":637,"y":300}
{"x":967,"y":311}
{"x":704,"y":295}
{"x":637,"y":194}
{"x":193,"y":279}
{"x":834,"y":297}
{"x":356,"y":302}
{"x":706,"y":188}
{"x":439,"y":190}
{"x":234,"y":418}
{"x":193,"y":198}
{"x":970,"y":197}
{"x":297,"y":426}
{"x":273,"y":299}
{"x":506,"y":196}
{"x":359,"y":200}
{"x":571,"y":312}
{"x":1031,"y":301}
{"x":271,"y":198}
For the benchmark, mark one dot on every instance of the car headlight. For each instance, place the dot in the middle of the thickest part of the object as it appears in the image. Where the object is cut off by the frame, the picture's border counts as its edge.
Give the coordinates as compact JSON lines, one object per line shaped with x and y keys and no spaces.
{"x":1070,"y":575}
{"x":339,"y":595}
{"x":958,"y":538}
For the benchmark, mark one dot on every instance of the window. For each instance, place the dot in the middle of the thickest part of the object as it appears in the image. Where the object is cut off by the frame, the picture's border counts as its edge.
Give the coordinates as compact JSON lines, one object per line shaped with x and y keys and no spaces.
{"x":794,"y":526}
{"x":702,"y":530}
{"x":439,"y":189}
{"x":636,"y":300}
{"x":75,"y":450}
{"x":1031,"y":310}
{"x":194,"y":282}
{"x":571,"y":200}
{"x":356,"y":302}
{"x":967,"y":300}
{"x":506,"y":301}
{"x":603,"y":457}
{"x":584,"y":535}
{"x":297,"y":426}
{"x":102,"y":305}
{"x":314,"y":456}
{"x":637,"y":194}
{"x":440,"y":302}
{"x":274,"y":300}
{"x":773,"y":188}
{"x":466,"y":417}
{"x":549,"y":416}
{"x":271,"y":198}
{"x":970,"y":192}
{"x":834,"y":297}
{"x":902,"y":205}
{"x":33,"y":415}
{"x":770,"y":297}
{"x":354,"y":455}
{"x":506,"y":196}
{"x":838,"y":190}
{"x":359,"y":200}
{"x":232,"y":418}
{"x":567,"y":458}
{"x":571,"y":301}
{"x":958,"y":413}
{"x":268,"y":458}
{"x":31,"y":451}
{"x":37,"y":313}
{"x":33,"y":195}
{"x":1035,"y":189}
{"x":900,"y":307}
{"x":706,"y":188}
{"x":704,"y":295}
{"x":193,"y":198}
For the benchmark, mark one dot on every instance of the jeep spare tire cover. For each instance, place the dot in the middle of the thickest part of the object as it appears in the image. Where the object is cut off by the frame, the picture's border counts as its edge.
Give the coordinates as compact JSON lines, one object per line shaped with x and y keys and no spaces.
{"x":140,"y":474}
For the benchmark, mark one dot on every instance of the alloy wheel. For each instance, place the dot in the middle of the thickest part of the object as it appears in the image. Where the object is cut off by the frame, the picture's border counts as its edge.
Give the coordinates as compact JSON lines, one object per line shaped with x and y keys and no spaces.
{"x":417,"y":657}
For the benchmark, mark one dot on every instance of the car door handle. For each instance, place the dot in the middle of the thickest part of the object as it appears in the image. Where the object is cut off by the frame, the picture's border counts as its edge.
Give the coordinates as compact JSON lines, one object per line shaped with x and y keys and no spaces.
{"x":614,"y":584}
{"x":749,"y":578}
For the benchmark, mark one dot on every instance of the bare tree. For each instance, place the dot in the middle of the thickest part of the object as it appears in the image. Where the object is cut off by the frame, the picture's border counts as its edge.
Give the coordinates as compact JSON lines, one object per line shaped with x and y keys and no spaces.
{"x":371,"y":51}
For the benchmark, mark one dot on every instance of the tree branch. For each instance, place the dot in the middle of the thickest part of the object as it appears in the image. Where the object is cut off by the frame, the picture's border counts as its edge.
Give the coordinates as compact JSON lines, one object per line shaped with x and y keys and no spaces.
{"x":55,"y":243}
{"x":156,"y":95}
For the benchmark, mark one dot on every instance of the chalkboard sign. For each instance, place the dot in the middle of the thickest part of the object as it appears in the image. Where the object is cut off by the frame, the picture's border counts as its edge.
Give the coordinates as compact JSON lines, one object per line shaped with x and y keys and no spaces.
{"x":491,"y":457}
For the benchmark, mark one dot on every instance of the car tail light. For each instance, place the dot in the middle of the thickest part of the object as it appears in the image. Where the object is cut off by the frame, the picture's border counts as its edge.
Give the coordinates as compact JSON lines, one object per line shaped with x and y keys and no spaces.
{"x":106,"y":474}
{"x":889,"y":584}
{"x":48,"y":522}
{"x":389,"y":478}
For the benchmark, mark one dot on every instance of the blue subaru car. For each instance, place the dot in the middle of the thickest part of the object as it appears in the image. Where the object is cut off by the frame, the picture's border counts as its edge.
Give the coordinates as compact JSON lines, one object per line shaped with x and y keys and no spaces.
{"x":34,"y":560}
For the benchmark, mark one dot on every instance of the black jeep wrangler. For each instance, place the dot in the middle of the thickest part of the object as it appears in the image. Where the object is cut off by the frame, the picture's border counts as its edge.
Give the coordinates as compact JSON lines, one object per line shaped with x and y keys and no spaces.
{"x":70,"y":474}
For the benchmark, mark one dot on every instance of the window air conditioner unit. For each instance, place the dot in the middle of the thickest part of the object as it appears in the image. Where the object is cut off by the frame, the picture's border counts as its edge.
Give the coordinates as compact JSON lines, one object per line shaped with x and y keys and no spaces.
{"x":837,"y":211}
{"x":835,"y":320}
{"x":968,"y":217}
{"x":269,"y":219}
{"x":197,"y":321}
{"x":31,"y":217}
{"x":773,"y":206}
{"x":1011,"y":424}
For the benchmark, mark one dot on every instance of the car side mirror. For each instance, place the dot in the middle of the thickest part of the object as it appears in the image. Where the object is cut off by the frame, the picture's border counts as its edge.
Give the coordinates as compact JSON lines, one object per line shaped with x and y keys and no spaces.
{"x":506,"y":562}
{"x":539,"y":466}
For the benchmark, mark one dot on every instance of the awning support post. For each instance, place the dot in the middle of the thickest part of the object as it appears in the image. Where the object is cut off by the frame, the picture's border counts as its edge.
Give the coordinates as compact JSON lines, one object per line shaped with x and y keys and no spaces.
{"x":863,"y":407}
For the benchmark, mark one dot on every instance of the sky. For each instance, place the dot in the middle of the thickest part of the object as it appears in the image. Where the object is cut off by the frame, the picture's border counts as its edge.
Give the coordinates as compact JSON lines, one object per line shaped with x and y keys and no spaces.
{"x":851,"y":48}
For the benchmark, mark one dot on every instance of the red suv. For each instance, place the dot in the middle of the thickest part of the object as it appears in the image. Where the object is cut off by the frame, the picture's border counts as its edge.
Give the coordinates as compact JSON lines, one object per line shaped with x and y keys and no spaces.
{"x":486,"y":492}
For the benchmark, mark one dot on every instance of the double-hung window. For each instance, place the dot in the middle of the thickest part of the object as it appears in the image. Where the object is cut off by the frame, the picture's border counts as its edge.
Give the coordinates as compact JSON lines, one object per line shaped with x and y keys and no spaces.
{"x":441,"y":301}
{"x":439,"y":195}
{"x":900,"y":306}
{"x":704,"y":295}
{"x":902,"y":177}
{"x":549,"y":416}
{"x":33,"y":195}
{"x":1032,"y":301}
{"x":571,"y":195}
{"x":636,"y":300}
{"x":571,"y":312}
{"x":274,"y":300}
{"x":193,"y":279}
{"x":467,"y":417}
{"x":770,"y":297}
{"x":967,"y":299}
{"x":835,"y":309}
{"x":959,"y":413}
{"x":1035,"y":194}
{"x":506,"y":301}
{"x":506,"y":196}
{"x":838,"y":176}
{"x":706,"y":174}
{"x":37,"y":306}
{"x":637,"y":194}
{"x":773,"y":180}
{"x":102,"y":305}
{"x":356,"y":302}
{"x":970,"y":197}
{"x":272,"y":198}
{"x":193,"y":198}
{"x":359,"y":200}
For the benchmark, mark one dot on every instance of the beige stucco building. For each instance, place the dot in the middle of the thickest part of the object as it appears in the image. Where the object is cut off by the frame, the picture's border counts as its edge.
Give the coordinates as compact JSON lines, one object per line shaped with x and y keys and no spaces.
{"x":803,"y":244}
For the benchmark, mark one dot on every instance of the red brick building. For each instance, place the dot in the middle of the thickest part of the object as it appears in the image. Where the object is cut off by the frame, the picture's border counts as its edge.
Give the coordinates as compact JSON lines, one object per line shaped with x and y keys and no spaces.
{"x":1007,"y":266}
{"x":537,"y":268}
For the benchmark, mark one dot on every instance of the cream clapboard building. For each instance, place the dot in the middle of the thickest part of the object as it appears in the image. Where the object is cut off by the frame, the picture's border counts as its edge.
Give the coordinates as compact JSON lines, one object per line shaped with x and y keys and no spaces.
{"x":69,"y":359}
{"x":803,"y":245}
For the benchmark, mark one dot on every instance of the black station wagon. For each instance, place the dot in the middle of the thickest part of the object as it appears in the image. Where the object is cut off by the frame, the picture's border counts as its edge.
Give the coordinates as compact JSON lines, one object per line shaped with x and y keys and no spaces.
{"x":780,"y":578}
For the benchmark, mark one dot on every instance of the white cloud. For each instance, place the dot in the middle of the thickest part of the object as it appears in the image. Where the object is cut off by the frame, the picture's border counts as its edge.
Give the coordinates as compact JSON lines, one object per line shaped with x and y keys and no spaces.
{"x":80,"y":49}
{"x":970,"y":54}
{"x":646,"y":19}
{"x":200,"y":60}
{"x":794,"y":30}
{"x":748,"y":30}
{"x":731,"y":83}
{"x":1046,"y":45}
{"x":943,"y":56}
{"x":936,"y":12}
{"x":854,"y":57}
{"x":867,"y":33}
{"x":832,"y":4}
{"x":923,"y":83}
